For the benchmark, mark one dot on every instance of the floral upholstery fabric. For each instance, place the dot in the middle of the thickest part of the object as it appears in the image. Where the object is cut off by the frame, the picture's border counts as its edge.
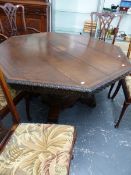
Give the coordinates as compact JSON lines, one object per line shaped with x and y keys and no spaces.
{"x":38,"y":149}
{"x":128,"y":84}
{"x":3,"y":101}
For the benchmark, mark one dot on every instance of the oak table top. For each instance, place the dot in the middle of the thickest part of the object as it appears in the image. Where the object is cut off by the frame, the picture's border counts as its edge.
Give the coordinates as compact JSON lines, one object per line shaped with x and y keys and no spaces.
{"x":70,"y":63}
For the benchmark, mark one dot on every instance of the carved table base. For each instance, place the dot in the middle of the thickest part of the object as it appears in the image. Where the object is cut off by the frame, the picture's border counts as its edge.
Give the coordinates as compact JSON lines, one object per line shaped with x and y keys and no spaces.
{"x":58,"y":103}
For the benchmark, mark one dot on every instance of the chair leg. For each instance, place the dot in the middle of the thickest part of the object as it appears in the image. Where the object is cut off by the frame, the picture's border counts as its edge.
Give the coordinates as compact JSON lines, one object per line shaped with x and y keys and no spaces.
{"x":110,"y":90}
{"x":27,"y":106}
{"x":125,"y":105}
{"x":117,"y":90}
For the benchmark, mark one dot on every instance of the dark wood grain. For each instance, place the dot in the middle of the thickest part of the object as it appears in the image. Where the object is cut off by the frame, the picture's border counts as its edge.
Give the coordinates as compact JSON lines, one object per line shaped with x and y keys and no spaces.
{"x":62,"y":62}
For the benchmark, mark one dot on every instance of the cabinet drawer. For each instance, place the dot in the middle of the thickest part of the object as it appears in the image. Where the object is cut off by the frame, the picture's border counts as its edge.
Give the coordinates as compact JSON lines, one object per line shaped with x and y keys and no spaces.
{"x":39,"y":24}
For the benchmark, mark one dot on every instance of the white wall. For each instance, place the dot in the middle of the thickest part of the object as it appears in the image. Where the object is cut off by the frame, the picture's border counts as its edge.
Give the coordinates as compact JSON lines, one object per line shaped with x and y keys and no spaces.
{"x":82,"y":6}
{"x":70,"y":15}
{"x":126,"y":24}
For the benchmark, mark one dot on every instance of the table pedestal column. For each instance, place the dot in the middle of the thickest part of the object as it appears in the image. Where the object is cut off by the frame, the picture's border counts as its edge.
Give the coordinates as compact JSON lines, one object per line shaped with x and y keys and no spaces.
{"x":57,"y":103}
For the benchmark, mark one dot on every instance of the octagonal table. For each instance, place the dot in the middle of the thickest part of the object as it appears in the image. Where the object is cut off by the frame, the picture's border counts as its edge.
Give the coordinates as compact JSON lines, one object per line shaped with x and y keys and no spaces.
{"x":61,"y":63}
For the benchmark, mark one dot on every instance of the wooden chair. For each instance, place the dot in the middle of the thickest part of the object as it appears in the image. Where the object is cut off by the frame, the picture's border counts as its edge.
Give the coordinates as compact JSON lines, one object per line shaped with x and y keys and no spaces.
{"x":100,"y":27}
{"x":103,"y":29}
{"x":13,"y":17}
{"x":17,"y":96}
{"x":126,"y":86}
{"x":103,"y":21}
{"x":119,"y":83}
{"x":34,"y":148}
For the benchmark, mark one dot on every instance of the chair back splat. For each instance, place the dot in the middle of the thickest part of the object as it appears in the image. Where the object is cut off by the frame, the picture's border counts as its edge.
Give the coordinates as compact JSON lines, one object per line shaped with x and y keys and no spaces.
{"x":10,"y":12}
{"x":103,"y":21}
{"x":14,"y":16}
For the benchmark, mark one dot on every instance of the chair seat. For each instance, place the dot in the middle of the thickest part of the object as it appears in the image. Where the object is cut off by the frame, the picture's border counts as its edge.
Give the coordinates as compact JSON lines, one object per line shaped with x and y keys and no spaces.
{"x":3,"y":102}
{"x":128,"y":84}
{"x":38,"y":149}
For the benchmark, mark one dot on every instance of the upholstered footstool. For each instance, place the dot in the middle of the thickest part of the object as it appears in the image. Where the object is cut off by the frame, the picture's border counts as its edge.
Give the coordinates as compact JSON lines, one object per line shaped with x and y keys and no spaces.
{"x":38,"y":149}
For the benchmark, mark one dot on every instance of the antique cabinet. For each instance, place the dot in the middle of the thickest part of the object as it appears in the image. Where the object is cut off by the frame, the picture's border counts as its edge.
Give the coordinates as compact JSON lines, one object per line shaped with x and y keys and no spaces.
{"x":37,"y":13}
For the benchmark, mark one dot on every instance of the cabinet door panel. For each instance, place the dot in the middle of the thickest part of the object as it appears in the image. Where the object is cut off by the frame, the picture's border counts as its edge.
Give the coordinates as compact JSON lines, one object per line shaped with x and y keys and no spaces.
{"x":38,"y":23}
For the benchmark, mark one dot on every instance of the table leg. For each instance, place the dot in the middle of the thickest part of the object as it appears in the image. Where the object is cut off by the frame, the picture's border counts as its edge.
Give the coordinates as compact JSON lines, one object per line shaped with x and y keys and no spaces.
{"x":53,"y":113}
{"x":57,"y":103}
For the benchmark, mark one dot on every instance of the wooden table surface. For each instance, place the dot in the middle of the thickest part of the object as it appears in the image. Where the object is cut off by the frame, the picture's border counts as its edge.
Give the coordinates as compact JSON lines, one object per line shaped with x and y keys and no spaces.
{"x":61,"y":62}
